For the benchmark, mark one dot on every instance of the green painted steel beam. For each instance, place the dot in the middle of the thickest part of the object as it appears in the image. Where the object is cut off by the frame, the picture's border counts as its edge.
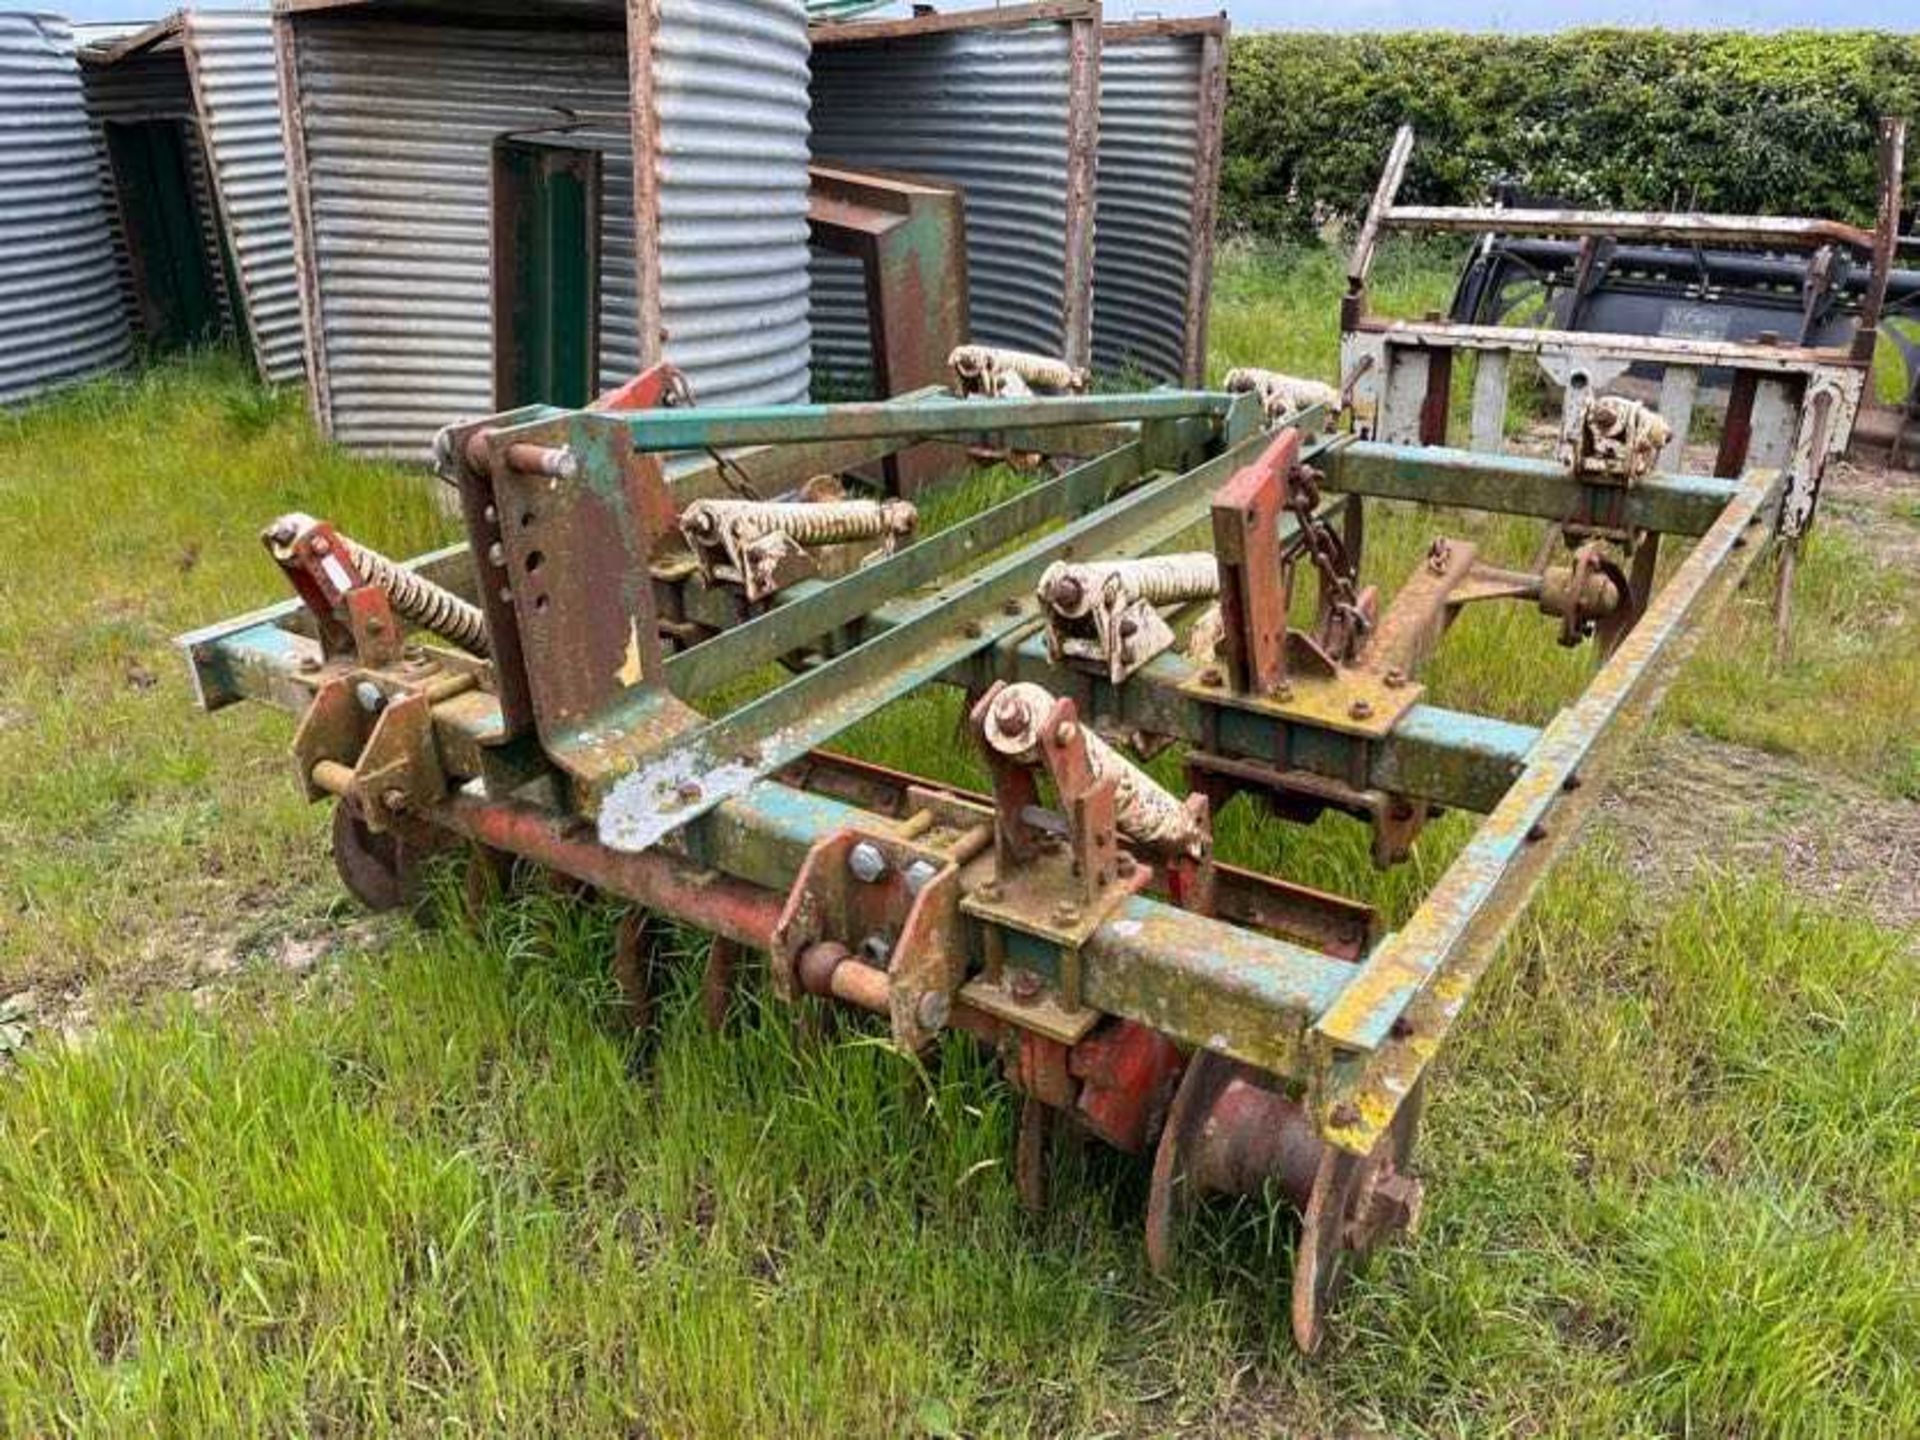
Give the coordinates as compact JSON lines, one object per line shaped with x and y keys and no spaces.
{"x":967,"y":421}
{"x":1520,"y":485}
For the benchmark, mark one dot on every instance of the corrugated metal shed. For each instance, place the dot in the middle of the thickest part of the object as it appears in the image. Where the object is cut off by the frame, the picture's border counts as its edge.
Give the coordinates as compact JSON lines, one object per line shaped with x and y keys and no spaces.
{"x":61,"y":314}
{"x":236,"y":88}
{"x":1162,"y":92}
{"x":1002,"y":103}
{"x":143,"y":77}
{"x":396,"y":110}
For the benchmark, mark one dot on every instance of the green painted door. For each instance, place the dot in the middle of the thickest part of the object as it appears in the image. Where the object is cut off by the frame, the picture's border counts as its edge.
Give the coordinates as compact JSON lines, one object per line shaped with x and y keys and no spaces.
{"x":546,"y":271}
{"x":178,"y":303}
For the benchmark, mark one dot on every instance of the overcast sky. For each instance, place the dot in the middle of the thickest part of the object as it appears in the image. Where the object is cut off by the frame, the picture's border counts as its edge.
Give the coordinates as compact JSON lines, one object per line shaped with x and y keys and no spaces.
{"x":1407,"y":14}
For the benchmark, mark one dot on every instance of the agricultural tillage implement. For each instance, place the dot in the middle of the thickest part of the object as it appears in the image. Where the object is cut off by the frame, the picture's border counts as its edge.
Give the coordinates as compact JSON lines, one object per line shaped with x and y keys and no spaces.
{"x":547,"y":692}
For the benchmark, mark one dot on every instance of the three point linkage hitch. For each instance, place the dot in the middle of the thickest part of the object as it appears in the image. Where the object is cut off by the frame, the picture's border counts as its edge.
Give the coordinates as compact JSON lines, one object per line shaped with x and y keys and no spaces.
{"x":546,"y":692}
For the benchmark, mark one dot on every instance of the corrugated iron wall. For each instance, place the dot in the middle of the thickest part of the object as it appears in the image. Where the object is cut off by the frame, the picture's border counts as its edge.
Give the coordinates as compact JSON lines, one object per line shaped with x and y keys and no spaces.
{"x":730,"y":93}
{"x":62,"y":316}
{"x":991,"y":110}
{"x":397,"y":120}
{"x":1159,"y":148}
{"x":154,"y":86}
{"x":231,"y":62}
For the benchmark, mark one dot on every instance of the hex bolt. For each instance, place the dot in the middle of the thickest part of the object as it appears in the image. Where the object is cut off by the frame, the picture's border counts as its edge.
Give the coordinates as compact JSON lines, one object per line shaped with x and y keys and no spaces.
{"x":877,"y":948}
{"x":1064,"y":732}
{"x":1025,"y":985}
{"x":689,"y":791}
{"x":1283,"y":692}
{"x":866,"y":862}
{"x":321,"y":545}
{"x":1010,"y":607}
{"x":989,"y":892}
{"x":1360,"y":710}
{"x":1211,"y":675}
{"x":497,"y":555}
{"x":1066,"y":913}
{"x":371,"y":699}
{"x":309,"y":664}
{"x":933,"y":1010}
{"x":919,"y":875}
{"x":1345,"y":1114}
{"x":1394,"y":678}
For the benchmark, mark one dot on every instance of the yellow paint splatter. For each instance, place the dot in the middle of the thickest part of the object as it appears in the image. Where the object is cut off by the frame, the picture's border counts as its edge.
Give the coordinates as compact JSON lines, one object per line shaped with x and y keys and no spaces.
{"x":629,"y":673}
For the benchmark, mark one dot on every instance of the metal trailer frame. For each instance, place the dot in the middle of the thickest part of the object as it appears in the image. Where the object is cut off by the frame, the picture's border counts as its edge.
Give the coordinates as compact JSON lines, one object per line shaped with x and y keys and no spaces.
{"x":1790,"y":407}
{"x":1241,"y":1029}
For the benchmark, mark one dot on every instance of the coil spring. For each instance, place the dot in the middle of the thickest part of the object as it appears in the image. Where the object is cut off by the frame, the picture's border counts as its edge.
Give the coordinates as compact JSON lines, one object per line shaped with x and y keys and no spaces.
{"x":417,"y":599}
{"x":986,"y":368}
{"x":1281,"y":394}
{"x":1144,"y":812}
{"x":827,"y":522}
{"x":1070,"y":589}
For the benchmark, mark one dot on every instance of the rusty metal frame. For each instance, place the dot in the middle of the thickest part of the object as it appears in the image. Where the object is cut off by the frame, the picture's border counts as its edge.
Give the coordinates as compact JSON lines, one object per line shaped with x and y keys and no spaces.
{"x":1790,"y":407}
{"x":757,"y":838}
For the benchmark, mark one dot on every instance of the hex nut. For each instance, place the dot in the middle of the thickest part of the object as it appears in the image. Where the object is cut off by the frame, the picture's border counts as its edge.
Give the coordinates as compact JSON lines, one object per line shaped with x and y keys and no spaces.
{"x":919,"y":875}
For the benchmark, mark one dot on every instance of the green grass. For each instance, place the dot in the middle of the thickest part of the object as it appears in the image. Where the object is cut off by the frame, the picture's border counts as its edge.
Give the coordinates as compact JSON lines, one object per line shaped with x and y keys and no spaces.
{"x":1672,"y":1154}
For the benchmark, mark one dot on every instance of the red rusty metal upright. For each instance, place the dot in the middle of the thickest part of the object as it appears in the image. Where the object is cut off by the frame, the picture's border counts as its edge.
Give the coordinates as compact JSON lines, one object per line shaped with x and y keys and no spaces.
{"x":1253,"y":589}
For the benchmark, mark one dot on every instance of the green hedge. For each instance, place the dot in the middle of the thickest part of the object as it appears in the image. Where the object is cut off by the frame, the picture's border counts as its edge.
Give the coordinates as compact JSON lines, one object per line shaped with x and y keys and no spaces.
{"x":1781,"y":124}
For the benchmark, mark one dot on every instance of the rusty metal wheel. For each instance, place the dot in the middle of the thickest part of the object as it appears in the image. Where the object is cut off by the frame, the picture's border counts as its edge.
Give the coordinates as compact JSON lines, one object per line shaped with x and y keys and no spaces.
{"x":1357,"y":1201}
{"x":375,"y":868}
{"x":1171,"y":1192}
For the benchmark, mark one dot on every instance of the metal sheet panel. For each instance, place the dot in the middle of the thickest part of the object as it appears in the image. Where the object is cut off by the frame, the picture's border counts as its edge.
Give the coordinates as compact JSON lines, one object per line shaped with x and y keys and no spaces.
{"x":62,"y":316}
{"x":398,"y":120}
{"x":232,"y":66}
{"x":1154,"y":202}
{"x":153,"y":86}
{"x":989,"y":110}
{"x":730,"y":99}
{"x":398,"y":117}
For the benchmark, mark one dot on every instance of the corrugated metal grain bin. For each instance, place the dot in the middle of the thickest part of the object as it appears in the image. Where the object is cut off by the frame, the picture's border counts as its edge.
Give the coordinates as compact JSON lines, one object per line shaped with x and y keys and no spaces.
{"x":397,"y":110}
{"x":1002,"y":103}
{"x":197,"y":95}
{"x":1162,"y":93}
{"x":62,"y":317}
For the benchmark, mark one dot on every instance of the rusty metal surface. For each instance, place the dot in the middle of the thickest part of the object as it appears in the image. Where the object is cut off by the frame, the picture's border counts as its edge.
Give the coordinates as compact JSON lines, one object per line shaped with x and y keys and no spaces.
{"x":1078,"y":923}
{"x":1372,"y":1044}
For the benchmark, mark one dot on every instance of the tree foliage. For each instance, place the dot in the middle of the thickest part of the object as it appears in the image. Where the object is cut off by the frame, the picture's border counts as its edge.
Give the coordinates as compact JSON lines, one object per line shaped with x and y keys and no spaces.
{"x":1762,"y":124}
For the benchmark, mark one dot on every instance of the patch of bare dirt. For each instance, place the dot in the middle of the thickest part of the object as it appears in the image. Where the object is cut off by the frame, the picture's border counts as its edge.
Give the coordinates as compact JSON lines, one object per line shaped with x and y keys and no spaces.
{"x":208,"y":968}
{"x":1683,"y":802}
